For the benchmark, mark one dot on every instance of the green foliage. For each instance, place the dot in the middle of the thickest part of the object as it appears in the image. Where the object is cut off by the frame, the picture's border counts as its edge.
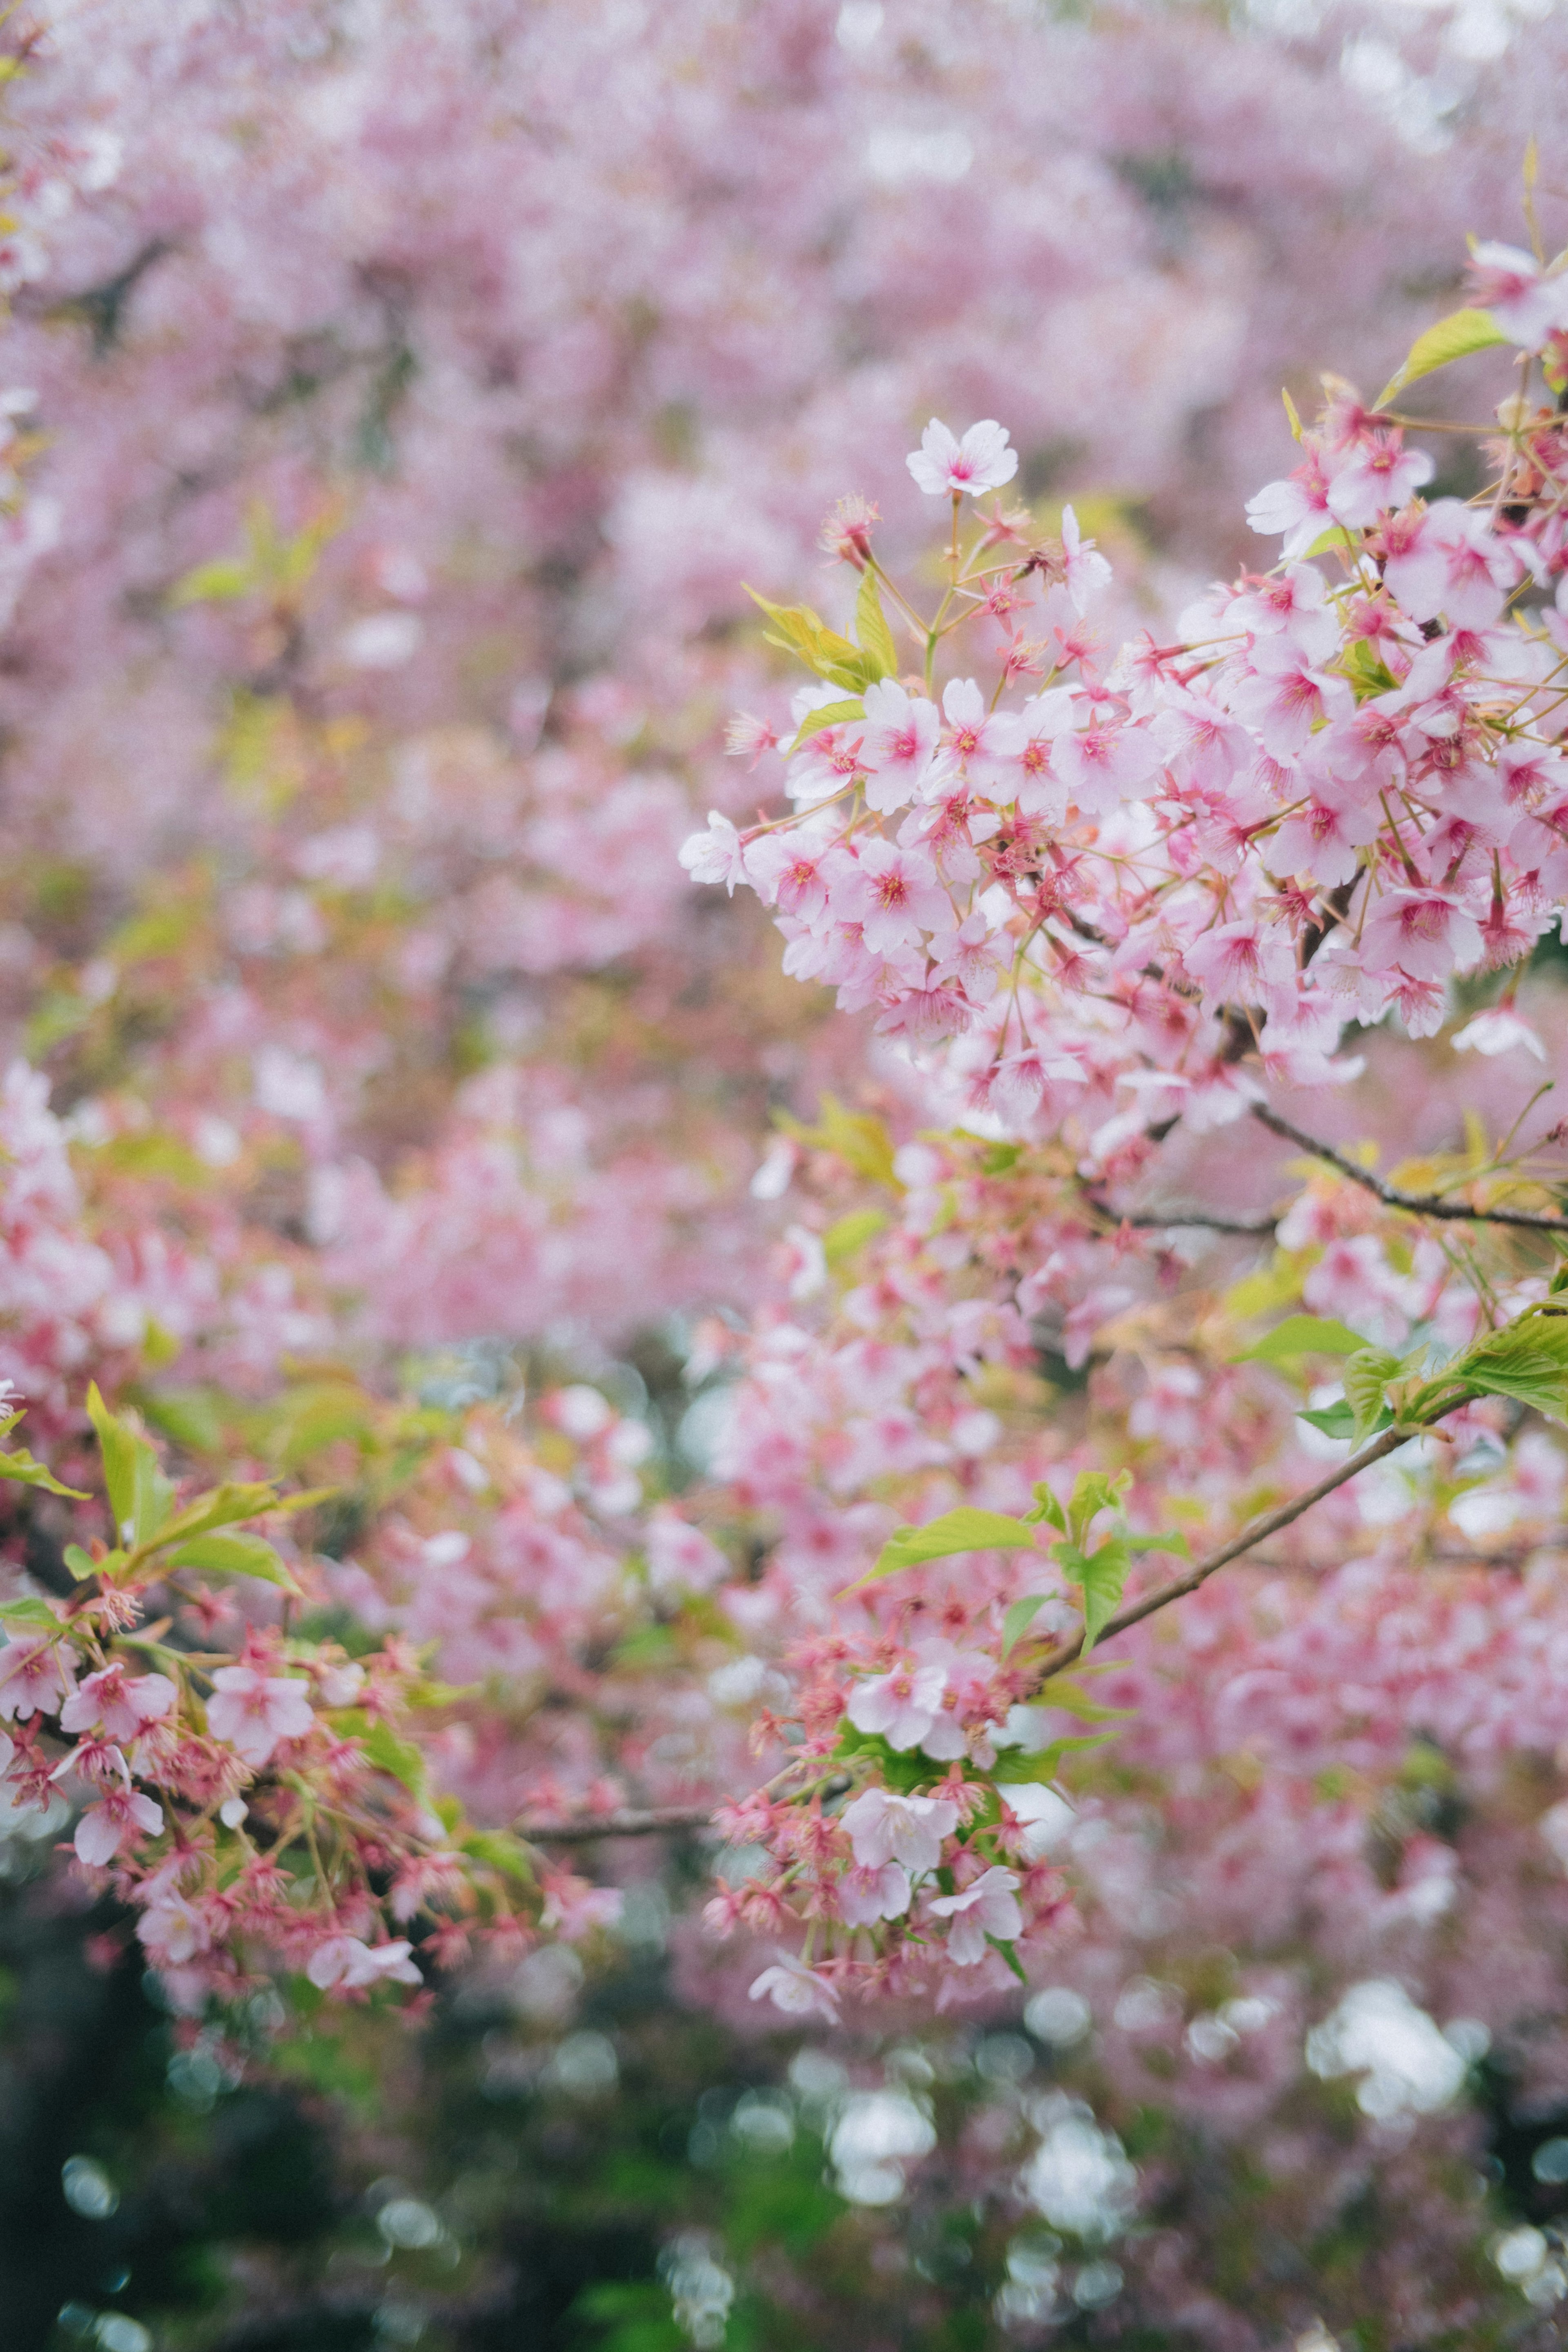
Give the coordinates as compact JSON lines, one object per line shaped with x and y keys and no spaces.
{"x":871,"y":628}
{"x":964,"y":1530}
{"x":1527,"y":1360}
{"x":854,"y":1137}
{"x":1302,"y":1335}
{"x":23,"y":1471}
{"x":1453,"y":338}
{"x":1366,"y":1376}
{"x":155,"y":1538}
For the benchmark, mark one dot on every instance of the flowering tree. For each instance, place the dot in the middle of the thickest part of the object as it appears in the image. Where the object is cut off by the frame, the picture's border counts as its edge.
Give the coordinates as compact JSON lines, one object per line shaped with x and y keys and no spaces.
{"x":366,"y":1582}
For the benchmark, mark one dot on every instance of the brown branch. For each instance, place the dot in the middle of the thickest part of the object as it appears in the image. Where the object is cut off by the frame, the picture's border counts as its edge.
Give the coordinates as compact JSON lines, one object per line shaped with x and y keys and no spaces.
{"x":1144,"y":1221}
{"x":1270,"y":1524}
{"x":1419,"y":1204}
{"x":701,"y":1816}
{"x":630,"y":1823}
{"x":626,"y":1822}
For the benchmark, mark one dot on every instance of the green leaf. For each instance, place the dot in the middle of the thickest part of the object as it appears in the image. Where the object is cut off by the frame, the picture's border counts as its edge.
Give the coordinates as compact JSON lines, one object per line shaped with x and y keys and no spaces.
{"x":1046,"y":1508}
{"x":1366,"y":673}
{"x":1302,"y":1335}
{"x":1527,"y":1360}
{"x":399,"y":1759}
{"x":1014,"y":1765}
{"x":215,"y":1554}
{"x":220,"y":1508}
{"x":861,"y":1141}
{"x":1169,"y":1539}
{"x":30,"y":1612}
{"x":816,"y":722}
{"x":800,"y":631}
{"x":498,"y":1852}
{"x":139,"y":1494}
{"x":964,"y":1529}
{"x":1094,"y":1491}
{"x":1010,"y":1956}
{"x":1453,"y":338}
{"x":214,"y":584}
{"x":1102,"y":1574}
{"x":82,"y":1564}
{"x":25,"y":1471}
{"x":1336,"y":1420}
{"x":851,"y":1234}
{"x":1020,"y":1617}
{"x":871,"y":628}
{"x":1366,"y":1376}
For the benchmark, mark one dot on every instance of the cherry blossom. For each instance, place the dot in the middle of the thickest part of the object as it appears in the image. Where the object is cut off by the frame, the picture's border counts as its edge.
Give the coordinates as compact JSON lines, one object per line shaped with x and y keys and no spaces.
{"x":256,"y":1712}
{"x":988,"y":1907}
{"x":980,"y":461}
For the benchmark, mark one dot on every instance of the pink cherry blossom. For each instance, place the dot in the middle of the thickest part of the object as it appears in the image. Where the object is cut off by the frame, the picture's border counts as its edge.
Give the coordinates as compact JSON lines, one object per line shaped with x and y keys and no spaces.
{"x":1448,"y":563}
{"x":899,"y":744}
{"x":1427,"y":934}
{"x":980,"y":461}
{"x":901,"y":1706}
{"x":885,"y":1827}
{"x":121,"y":1817}
{"x":122,"y":1705}
{"x":1527,"y":303}
{"x":256,"y":1713}
{"x":714,"y":856}
{"x":346,"y":1963}
{"x":797,"y":1991}
{"x":865,"y":1895}
{"x":35,"y":1675}
{"x":988,"y":1907}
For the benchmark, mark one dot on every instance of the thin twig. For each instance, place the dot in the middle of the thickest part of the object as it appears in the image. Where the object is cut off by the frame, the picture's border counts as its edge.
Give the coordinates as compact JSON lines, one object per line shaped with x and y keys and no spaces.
{"x":656,"y":1818}
{"x":1419,"y":1204}
{"x":626,"y":1822}
{"x":701,"y":1816}
{"x":1270,"y":1524}
{"x":1145,"y":1222}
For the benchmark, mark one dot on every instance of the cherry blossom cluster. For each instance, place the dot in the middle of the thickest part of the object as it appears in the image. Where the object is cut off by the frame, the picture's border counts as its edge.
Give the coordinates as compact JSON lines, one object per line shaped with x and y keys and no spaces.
{"x":1165,"y":875}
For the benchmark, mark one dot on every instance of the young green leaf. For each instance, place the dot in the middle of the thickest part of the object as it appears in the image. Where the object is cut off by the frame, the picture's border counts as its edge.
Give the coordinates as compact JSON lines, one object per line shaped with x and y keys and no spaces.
{"x":214,"y":584}
{"x":1093,"y":1492}
{"x":1019,"y":1618}
{"x":829,"y":715}
{"x":22,"y":1468}
{"x":499,"y":1851}
{"x":1046,"y":1508}
{"x":1168,"y":1539}
{"x":798,"y":630}
{"x":851,"y":1234}
{"x":139,"y":1494}
{"x":1302,"y":1335}
{"x":964,"y":1529}
{"x":30,"y":1614}
{"x":1527,"y":1360}
{"x":399,"y":1759}
{"x":82,"y":1564}
{"x":1102,"y":1574}
{"x":1453,"y":338}
{"x":242,"y":1555}
{"x":871,"y":628}
{"x":1366,"y":1376}
{"x":220,"y":1508}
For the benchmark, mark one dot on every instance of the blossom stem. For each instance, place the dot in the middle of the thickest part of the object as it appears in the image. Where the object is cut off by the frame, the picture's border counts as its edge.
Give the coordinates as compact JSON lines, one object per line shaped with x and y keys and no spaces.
{"x":1420,"y":1204}
{"x":1180,"y":1586}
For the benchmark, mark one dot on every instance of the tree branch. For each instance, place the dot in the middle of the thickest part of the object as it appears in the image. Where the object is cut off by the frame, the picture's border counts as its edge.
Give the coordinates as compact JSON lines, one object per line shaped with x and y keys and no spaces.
{"x":1420,"y":1204}
{"x":626,"y":1822}
{"x":658,"y":1818}
{"x":1145,"y":1222}
{"x":1270,"y":1524}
